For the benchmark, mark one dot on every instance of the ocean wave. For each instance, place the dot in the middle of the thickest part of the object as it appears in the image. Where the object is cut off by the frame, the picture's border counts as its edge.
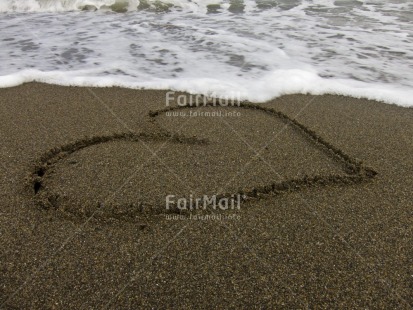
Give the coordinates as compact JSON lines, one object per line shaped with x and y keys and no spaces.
{"x":122,"y":6}
{"x":270,"y":86}
{"x":66,"y":5}
{"x":256,"y":49}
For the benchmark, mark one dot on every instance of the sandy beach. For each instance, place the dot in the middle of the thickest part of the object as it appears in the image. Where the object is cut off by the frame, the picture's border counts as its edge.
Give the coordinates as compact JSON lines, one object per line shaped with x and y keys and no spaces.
{"x":325,"y":218}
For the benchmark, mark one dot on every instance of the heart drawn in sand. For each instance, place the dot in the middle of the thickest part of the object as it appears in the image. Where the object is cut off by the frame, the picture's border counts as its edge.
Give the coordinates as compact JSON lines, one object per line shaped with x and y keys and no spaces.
{"x":250,"y":150}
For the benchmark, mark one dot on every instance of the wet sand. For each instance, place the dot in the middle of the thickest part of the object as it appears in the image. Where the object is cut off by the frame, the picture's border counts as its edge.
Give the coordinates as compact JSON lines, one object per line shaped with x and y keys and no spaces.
{"x":325,"y":219}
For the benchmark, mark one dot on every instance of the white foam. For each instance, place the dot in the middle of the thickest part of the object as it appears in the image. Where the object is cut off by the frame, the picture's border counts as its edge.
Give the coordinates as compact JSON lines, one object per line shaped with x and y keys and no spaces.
{"x":275,"y":84}
{"x":51,"y":5}
{"x":77,"y":5}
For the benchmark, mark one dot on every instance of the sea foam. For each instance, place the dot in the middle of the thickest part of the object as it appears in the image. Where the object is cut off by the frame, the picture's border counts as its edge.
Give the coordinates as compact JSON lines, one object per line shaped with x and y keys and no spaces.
{"x":252,"y":49}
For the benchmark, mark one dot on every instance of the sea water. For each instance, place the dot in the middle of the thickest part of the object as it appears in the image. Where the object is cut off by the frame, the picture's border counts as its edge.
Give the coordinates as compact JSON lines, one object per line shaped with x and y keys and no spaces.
{"x":254,"y":49}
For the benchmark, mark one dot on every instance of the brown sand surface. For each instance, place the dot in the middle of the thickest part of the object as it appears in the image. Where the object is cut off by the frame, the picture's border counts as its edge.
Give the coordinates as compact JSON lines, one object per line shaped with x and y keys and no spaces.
{"x":83,"y":222}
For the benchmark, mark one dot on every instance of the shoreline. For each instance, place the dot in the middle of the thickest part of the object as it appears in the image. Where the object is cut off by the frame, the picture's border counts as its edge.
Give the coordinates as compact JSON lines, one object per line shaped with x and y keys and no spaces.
{"x":379,"y":92}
